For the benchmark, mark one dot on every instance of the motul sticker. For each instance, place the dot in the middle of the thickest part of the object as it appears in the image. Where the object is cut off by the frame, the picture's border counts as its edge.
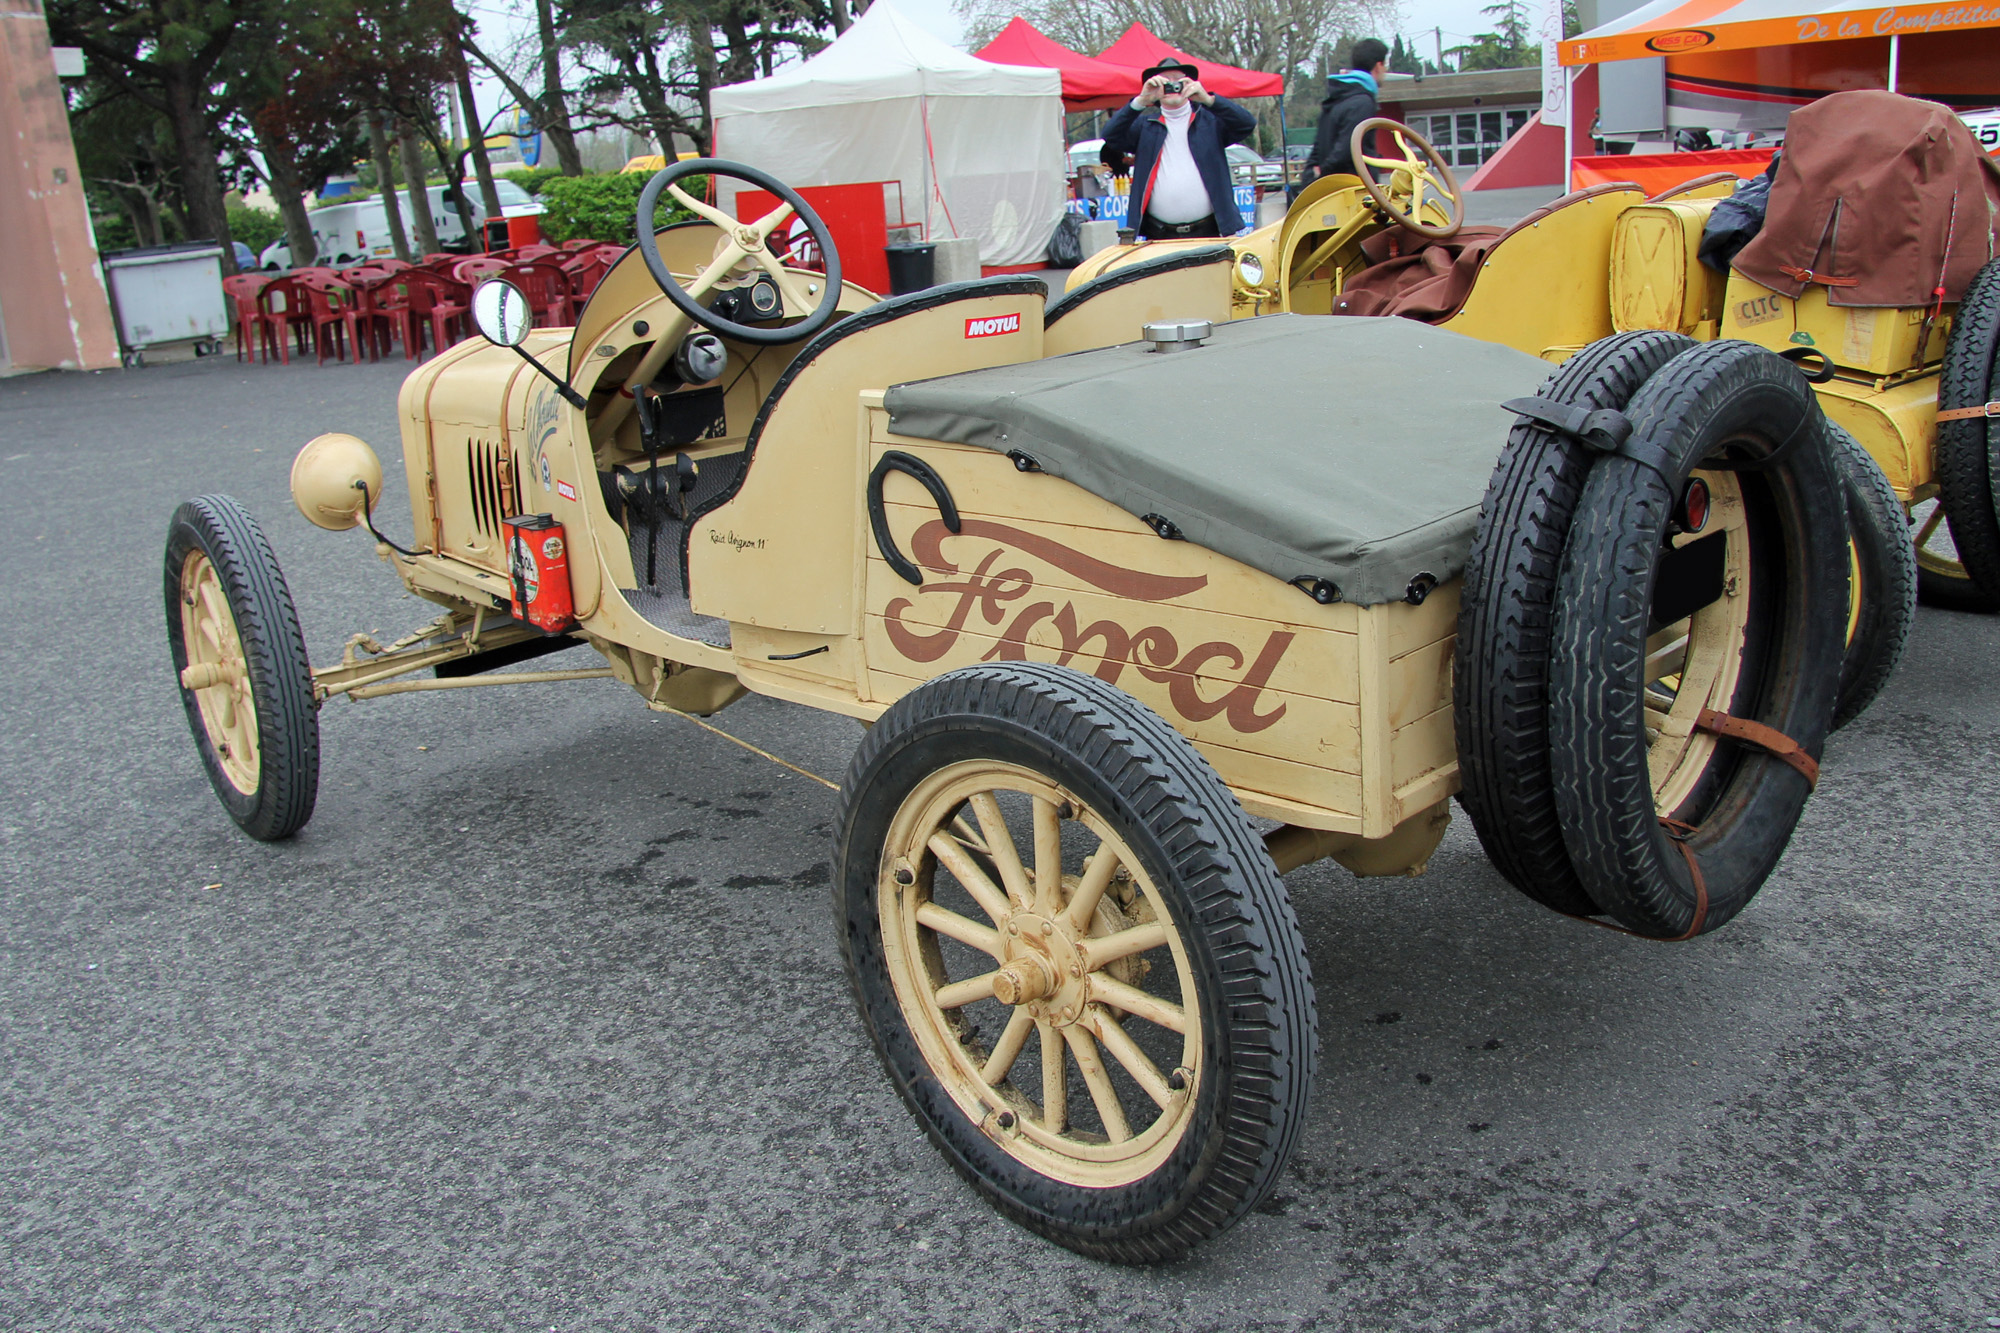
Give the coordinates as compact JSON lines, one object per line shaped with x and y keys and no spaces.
{"x":565,"y":490}
{"x":992,"y":324}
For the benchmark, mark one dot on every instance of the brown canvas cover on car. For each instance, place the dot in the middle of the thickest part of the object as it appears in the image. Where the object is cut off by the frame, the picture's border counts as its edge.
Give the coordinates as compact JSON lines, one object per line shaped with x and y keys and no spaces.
{"x":1351,"y":450}
{"x":1879,"y":197}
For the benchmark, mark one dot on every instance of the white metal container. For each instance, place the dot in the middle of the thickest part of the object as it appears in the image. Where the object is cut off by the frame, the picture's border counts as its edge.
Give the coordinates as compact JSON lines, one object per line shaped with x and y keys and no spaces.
{"x":167,"y":294}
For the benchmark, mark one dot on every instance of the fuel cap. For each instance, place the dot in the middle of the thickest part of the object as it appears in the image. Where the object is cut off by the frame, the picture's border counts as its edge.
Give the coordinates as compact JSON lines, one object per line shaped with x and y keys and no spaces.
{"x":1177,"y":335}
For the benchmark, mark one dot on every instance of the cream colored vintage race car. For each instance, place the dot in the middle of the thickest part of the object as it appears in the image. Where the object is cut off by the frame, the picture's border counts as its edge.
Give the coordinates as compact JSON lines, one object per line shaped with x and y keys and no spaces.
{"x":1130,"y":652}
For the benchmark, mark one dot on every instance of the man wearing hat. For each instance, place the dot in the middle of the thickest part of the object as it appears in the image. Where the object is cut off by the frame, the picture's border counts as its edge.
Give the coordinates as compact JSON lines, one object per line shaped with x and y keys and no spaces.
{"x":1175,"y":130}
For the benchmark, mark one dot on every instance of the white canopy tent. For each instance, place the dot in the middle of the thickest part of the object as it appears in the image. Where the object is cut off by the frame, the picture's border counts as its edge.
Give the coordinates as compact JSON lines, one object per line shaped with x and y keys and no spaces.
{"x":976,"y":147}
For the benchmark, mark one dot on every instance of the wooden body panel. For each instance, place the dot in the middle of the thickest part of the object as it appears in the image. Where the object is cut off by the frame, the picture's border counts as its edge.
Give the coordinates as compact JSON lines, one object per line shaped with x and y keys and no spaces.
{"x":1337,"y":717}
{"x":1118,"y":314}
{"x":783,"y":553}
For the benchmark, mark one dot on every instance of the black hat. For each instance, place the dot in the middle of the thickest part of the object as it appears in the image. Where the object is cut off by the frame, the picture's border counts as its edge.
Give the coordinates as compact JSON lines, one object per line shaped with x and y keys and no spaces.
{"x":1171,"y":67}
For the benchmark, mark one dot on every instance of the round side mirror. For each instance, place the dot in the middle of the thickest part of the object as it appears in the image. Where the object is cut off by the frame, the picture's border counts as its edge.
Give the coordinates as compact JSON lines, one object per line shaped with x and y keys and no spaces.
{"x":501,"y":313}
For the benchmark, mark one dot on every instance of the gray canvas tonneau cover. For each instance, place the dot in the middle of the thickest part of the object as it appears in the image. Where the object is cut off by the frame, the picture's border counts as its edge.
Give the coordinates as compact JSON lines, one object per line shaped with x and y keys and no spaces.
{"x":1311,"y":447}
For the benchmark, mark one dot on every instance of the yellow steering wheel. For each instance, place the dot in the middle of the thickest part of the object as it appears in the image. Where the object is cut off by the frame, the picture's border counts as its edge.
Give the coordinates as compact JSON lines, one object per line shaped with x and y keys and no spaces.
{"x":1421,"y":168}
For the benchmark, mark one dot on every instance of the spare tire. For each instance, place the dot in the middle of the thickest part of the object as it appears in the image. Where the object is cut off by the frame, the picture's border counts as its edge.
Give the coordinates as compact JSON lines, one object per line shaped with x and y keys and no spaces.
{"x":1882,"y":577}
{"x":1506,"y":611}
{"x":1962,"y":457}
{"x":1672,"y":623}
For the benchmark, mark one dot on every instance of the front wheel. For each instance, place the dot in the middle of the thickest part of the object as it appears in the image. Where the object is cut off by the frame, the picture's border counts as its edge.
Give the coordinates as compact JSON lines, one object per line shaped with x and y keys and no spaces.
{"x":241,"y":666}
{"x":1075,"y":958}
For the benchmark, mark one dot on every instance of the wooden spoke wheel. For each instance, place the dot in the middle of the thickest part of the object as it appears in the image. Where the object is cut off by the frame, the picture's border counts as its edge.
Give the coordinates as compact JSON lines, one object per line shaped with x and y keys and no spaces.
{"x":241,"y":667}
{"x":1033,"y":919}
{"x":1709,"y":578}
{"x":1075,"y":958}
{"x":1941,"y":577}
{"x":1696,"y":662}
{"x":216,"y":673}
{"x":1418,"y":176}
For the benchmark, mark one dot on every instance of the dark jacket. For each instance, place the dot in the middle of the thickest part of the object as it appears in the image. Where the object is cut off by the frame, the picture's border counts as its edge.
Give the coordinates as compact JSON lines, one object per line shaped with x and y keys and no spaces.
{"x":1347,"y":105}
{"x":1143,"y":134}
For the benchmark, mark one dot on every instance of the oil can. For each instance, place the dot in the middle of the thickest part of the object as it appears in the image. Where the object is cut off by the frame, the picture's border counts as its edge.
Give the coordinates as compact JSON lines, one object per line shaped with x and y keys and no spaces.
{"x":538,"y":570}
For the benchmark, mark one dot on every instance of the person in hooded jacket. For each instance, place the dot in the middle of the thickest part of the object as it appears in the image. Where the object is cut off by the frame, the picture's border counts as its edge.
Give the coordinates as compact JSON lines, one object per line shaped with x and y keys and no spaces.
{"x":1175,"y":131}
{"x":1350,"y":99}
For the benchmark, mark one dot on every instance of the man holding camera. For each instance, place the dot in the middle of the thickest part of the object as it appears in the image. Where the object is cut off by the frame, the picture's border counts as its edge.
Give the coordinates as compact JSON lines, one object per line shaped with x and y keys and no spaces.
{"x":1175,"y":130}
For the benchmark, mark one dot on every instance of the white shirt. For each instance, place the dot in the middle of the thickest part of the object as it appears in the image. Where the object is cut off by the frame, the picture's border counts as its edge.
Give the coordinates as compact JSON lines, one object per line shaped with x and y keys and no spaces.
{"x":1178,"y":193}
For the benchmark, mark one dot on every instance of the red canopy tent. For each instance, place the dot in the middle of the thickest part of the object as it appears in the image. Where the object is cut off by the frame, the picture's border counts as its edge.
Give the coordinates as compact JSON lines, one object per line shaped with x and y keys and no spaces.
{"x":1087,"y":84}
{"x":1139,"y":48}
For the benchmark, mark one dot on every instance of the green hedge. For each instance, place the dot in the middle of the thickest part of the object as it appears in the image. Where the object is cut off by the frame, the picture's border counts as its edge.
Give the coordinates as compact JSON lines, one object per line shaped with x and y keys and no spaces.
{"x":257,"y":228}
{"x":531,"y":179}
{"x":604,"y":208}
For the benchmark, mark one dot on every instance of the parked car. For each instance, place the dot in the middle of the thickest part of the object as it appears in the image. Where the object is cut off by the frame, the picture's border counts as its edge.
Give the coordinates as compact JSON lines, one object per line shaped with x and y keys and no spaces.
{"x":1246,"y":167}
{"x":348,"y":233}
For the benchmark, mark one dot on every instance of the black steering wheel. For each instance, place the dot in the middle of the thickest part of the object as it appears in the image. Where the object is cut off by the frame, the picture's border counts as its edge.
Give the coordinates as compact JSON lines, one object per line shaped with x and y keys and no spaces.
{"x":744,"y":240}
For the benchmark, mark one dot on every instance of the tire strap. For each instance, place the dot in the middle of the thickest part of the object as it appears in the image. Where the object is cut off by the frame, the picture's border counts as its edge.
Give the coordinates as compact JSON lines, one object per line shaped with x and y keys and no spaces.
{"x":1969,"y":413}
{"x":1604,"y":430}
{"x":1678,"y":834}
{"x":1774,"y":742}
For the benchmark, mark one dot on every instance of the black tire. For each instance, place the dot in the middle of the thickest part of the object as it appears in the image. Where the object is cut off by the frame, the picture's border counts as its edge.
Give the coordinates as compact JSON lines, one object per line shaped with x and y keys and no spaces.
{"x":1782,"y":669}
{"x":1878,"y":531}
{"x":270,"y":795}
{"x":1962,"y":455}
{"x":1257,"y":1045}
{"x":1501,"y":661}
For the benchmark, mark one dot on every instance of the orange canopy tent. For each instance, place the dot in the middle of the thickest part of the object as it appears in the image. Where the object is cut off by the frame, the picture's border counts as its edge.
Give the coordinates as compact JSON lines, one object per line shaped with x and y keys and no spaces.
{"x":1088,"y":84}
{"x":1682,"y":27}
{"x":1139,"y":49}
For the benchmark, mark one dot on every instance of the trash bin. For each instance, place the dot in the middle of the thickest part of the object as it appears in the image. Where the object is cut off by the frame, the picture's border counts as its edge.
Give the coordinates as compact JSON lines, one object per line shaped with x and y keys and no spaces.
{"x":166,"y":294}
{"x":911,"y":267}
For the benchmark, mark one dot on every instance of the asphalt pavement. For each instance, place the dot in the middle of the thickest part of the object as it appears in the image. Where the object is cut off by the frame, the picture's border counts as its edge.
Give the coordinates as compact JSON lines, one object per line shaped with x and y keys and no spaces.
{"x":540,"y":1023}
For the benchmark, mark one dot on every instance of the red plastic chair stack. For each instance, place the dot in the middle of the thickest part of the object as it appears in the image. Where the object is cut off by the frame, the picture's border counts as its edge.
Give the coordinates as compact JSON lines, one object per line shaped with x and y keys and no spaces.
{"x":381,"y":300}
{"x":435,"y":302}
{"x":336,"y":317}
{"x":547,"y":289}
{"x":242,"y":289}
{"x":473,"y":271}
{"x":284,"y":317}
{"x":586,"y":268}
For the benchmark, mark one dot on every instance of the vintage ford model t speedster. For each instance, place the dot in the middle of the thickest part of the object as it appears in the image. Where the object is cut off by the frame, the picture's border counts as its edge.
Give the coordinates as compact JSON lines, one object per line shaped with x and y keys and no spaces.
{"x":1128,"y":657}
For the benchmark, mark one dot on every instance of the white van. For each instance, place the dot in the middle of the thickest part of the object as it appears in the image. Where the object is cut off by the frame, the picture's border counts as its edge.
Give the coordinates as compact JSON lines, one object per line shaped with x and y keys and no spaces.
{"x":351,"y":233}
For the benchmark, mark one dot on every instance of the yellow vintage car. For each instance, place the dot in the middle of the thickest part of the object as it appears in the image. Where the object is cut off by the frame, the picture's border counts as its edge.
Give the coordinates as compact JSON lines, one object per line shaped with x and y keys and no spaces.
{"x":1125,"y":661}
{"x":1609,"y":259}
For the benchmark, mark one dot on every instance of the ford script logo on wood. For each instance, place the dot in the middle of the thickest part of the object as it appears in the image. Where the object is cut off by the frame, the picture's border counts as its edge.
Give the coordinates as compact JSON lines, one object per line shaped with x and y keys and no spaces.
{"x":1103,"y":647}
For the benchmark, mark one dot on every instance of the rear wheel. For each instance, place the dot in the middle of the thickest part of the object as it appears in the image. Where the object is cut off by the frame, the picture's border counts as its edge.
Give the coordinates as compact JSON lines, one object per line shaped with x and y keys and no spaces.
{"x":1941,"y":578}
{"x":1668,"y":630}
{"x":1882,"y":577}
{"x":1966,"y":577}
{"x":241,"y":662}
{"x":1075,"y":959}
